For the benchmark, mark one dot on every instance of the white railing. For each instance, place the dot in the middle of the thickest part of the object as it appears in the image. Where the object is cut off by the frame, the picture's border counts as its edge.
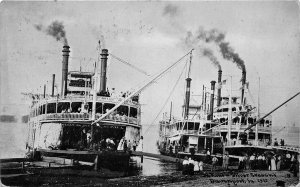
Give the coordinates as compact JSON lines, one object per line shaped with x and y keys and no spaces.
{"x":86,"y":117}
{"x":243,"y":127}
{"x":250,"y":142}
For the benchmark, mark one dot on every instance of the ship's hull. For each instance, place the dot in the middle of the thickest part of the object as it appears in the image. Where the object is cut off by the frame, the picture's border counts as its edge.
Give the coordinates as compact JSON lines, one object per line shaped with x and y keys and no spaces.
{"x":112,"y":160}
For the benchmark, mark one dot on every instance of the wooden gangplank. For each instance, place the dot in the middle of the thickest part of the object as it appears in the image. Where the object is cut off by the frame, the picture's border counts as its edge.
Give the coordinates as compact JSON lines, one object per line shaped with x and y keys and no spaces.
{"x":287,"y":148}
{"x":6,"y":160}
{"x":158,"y":156}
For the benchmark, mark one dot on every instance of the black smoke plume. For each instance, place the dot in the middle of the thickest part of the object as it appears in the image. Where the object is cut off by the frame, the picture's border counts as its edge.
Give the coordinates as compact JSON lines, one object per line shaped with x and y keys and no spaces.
{"x":170,"y":10}
{"x":210,"y":55}
{"x":229,"y":54}
{"x":55,"y":29}
{"x":217,"y":37}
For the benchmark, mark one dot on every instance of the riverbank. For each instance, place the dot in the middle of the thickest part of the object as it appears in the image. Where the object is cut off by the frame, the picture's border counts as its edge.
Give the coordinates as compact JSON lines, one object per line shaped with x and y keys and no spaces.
{"x":211,"y":179}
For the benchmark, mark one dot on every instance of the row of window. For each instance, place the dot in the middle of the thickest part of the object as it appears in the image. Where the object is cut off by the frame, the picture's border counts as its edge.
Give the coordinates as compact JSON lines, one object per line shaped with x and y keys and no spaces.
{"x":226,"y":109}
{"x":78,"y":107}
{"x":188,"y":126}
{"x":243,"y":120}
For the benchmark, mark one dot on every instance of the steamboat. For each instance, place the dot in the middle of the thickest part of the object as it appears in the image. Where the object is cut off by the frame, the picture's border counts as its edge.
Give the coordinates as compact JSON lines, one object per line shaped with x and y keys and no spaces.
{"x":216,"y":128}
{"x":83,"y":123}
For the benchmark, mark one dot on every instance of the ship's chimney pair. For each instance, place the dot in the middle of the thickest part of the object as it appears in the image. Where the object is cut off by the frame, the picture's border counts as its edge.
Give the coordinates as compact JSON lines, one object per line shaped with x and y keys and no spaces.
{"x":219,"y":99}
{"x":65,"y":63}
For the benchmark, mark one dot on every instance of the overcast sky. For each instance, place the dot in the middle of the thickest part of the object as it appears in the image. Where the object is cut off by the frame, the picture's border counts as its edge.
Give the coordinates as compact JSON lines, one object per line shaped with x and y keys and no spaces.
{"x":151,"y":36}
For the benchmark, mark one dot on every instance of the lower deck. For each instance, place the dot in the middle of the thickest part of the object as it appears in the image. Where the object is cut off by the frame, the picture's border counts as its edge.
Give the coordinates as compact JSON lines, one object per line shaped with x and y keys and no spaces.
{"x":70,"y":136}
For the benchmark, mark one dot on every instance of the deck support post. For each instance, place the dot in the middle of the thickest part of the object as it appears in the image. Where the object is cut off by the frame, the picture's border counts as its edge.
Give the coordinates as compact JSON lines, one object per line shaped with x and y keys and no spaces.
{"x":96,"y":163}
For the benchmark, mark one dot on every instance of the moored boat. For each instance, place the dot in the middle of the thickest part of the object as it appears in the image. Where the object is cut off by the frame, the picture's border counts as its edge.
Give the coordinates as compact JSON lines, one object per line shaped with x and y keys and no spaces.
{"x":68,"y":125}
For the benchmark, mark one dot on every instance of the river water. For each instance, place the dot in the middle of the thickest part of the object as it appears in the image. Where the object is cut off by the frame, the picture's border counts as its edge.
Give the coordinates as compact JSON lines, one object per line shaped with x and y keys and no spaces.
{"x":13,"y":138}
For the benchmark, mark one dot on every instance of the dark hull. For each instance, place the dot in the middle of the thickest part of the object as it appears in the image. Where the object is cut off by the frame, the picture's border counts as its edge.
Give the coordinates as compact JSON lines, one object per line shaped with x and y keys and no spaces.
{"x":112,"y":160}
{"x":8,"y":118}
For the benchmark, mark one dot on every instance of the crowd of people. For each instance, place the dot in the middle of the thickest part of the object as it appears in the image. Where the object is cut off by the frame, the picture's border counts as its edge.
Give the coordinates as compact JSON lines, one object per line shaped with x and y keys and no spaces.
{"x":267,"y":161}
{"x":127,"y":145}
{"x":281,"y":142}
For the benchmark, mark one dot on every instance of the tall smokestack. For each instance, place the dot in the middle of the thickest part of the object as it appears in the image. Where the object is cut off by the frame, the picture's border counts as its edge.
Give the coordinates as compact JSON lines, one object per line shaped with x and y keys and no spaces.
{"x":53,"y":84}
{"x":243,"y":84}
{"x":187,"y":97}
{"x":65,"y":62}
{"x":44,"y":90}
{"x":212,"y":99}
{"x":104,"y":55}
{"x":219,"y":89}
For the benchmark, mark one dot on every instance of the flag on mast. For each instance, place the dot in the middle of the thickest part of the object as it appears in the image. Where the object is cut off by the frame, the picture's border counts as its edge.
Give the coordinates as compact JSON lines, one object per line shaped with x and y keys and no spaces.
{"x":220,"y":84}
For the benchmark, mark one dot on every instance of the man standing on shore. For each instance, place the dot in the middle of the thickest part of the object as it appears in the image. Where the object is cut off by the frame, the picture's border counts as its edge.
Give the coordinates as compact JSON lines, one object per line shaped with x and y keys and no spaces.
{"x":225,"y":161}
{"x":252,"y":158}
{"x":214,"y":163}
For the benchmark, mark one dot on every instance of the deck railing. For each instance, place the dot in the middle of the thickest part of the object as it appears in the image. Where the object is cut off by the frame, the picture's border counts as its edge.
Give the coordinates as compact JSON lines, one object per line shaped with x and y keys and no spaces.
{"x":87,"y":117}
{"x":250,"y":142}
{"x":243,"y":127}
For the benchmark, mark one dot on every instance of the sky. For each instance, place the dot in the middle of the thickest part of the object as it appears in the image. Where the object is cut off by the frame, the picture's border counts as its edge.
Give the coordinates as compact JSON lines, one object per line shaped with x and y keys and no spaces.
{"x":151,"y":35}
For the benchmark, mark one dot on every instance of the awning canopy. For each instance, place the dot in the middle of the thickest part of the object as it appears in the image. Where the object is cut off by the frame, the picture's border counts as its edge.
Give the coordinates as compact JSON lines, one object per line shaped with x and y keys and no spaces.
{"x":175,"y":138}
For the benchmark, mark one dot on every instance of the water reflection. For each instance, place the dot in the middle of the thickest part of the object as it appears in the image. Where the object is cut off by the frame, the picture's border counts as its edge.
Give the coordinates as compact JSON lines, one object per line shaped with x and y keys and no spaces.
{"x":150,"y":166}
{"x":12,"y":144}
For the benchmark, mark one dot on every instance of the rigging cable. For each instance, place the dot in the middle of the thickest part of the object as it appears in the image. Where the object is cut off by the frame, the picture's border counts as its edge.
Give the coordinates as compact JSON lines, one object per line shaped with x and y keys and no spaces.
{"x":157,"y":77}
{"x":128,"y":64}
{"x":172,"y":91}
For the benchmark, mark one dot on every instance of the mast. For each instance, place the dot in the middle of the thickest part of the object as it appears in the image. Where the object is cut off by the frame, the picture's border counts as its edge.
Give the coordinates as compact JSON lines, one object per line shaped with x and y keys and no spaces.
{"x":94,"y":90}
{"x":202,"y":96}
{"x":204,"y":100}
{"x":230,"y":112}
{"x":95,"y":80}
{"x":258,"y":113}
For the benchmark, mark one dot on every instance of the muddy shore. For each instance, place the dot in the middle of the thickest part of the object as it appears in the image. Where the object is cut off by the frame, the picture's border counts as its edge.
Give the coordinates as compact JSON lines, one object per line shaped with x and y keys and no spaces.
{"x":211,"y":179}
{"x":219,"y":178}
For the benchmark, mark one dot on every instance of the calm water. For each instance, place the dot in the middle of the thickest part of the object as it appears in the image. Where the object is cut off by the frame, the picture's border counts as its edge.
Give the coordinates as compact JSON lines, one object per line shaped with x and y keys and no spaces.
{"x":14,"y":135}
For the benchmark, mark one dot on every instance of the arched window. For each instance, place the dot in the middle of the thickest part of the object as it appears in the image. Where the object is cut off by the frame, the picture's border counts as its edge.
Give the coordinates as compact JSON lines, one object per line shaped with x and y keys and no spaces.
{"x":243,"y":120}
{"x":51,"y":108}
{"x":250,"y":120}
{"x":133,"y":112}
{"x":236,"y":120}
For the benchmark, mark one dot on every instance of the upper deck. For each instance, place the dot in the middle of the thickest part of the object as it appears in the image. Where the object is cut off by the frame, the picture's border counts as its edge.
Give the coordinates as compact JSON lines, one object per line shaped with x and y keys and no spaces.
{"x":189,"y":127}
{"x":78,"y":109}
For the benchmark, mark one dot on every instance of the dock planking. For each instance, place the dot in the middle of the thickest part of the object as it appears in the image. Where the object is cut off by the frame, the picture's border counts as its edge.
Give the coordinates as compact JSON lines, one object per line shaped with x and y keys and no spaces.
{"x":158,"y":156}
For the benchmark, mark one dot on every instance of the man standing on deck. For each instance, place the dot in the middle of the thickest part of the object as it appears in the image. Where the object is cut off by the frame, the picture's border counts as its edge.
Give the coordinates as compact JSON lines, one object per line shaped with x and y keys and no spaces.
{"x":192,"y":150}
{"x":207,"y":156}
{"x":134,"y":145}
